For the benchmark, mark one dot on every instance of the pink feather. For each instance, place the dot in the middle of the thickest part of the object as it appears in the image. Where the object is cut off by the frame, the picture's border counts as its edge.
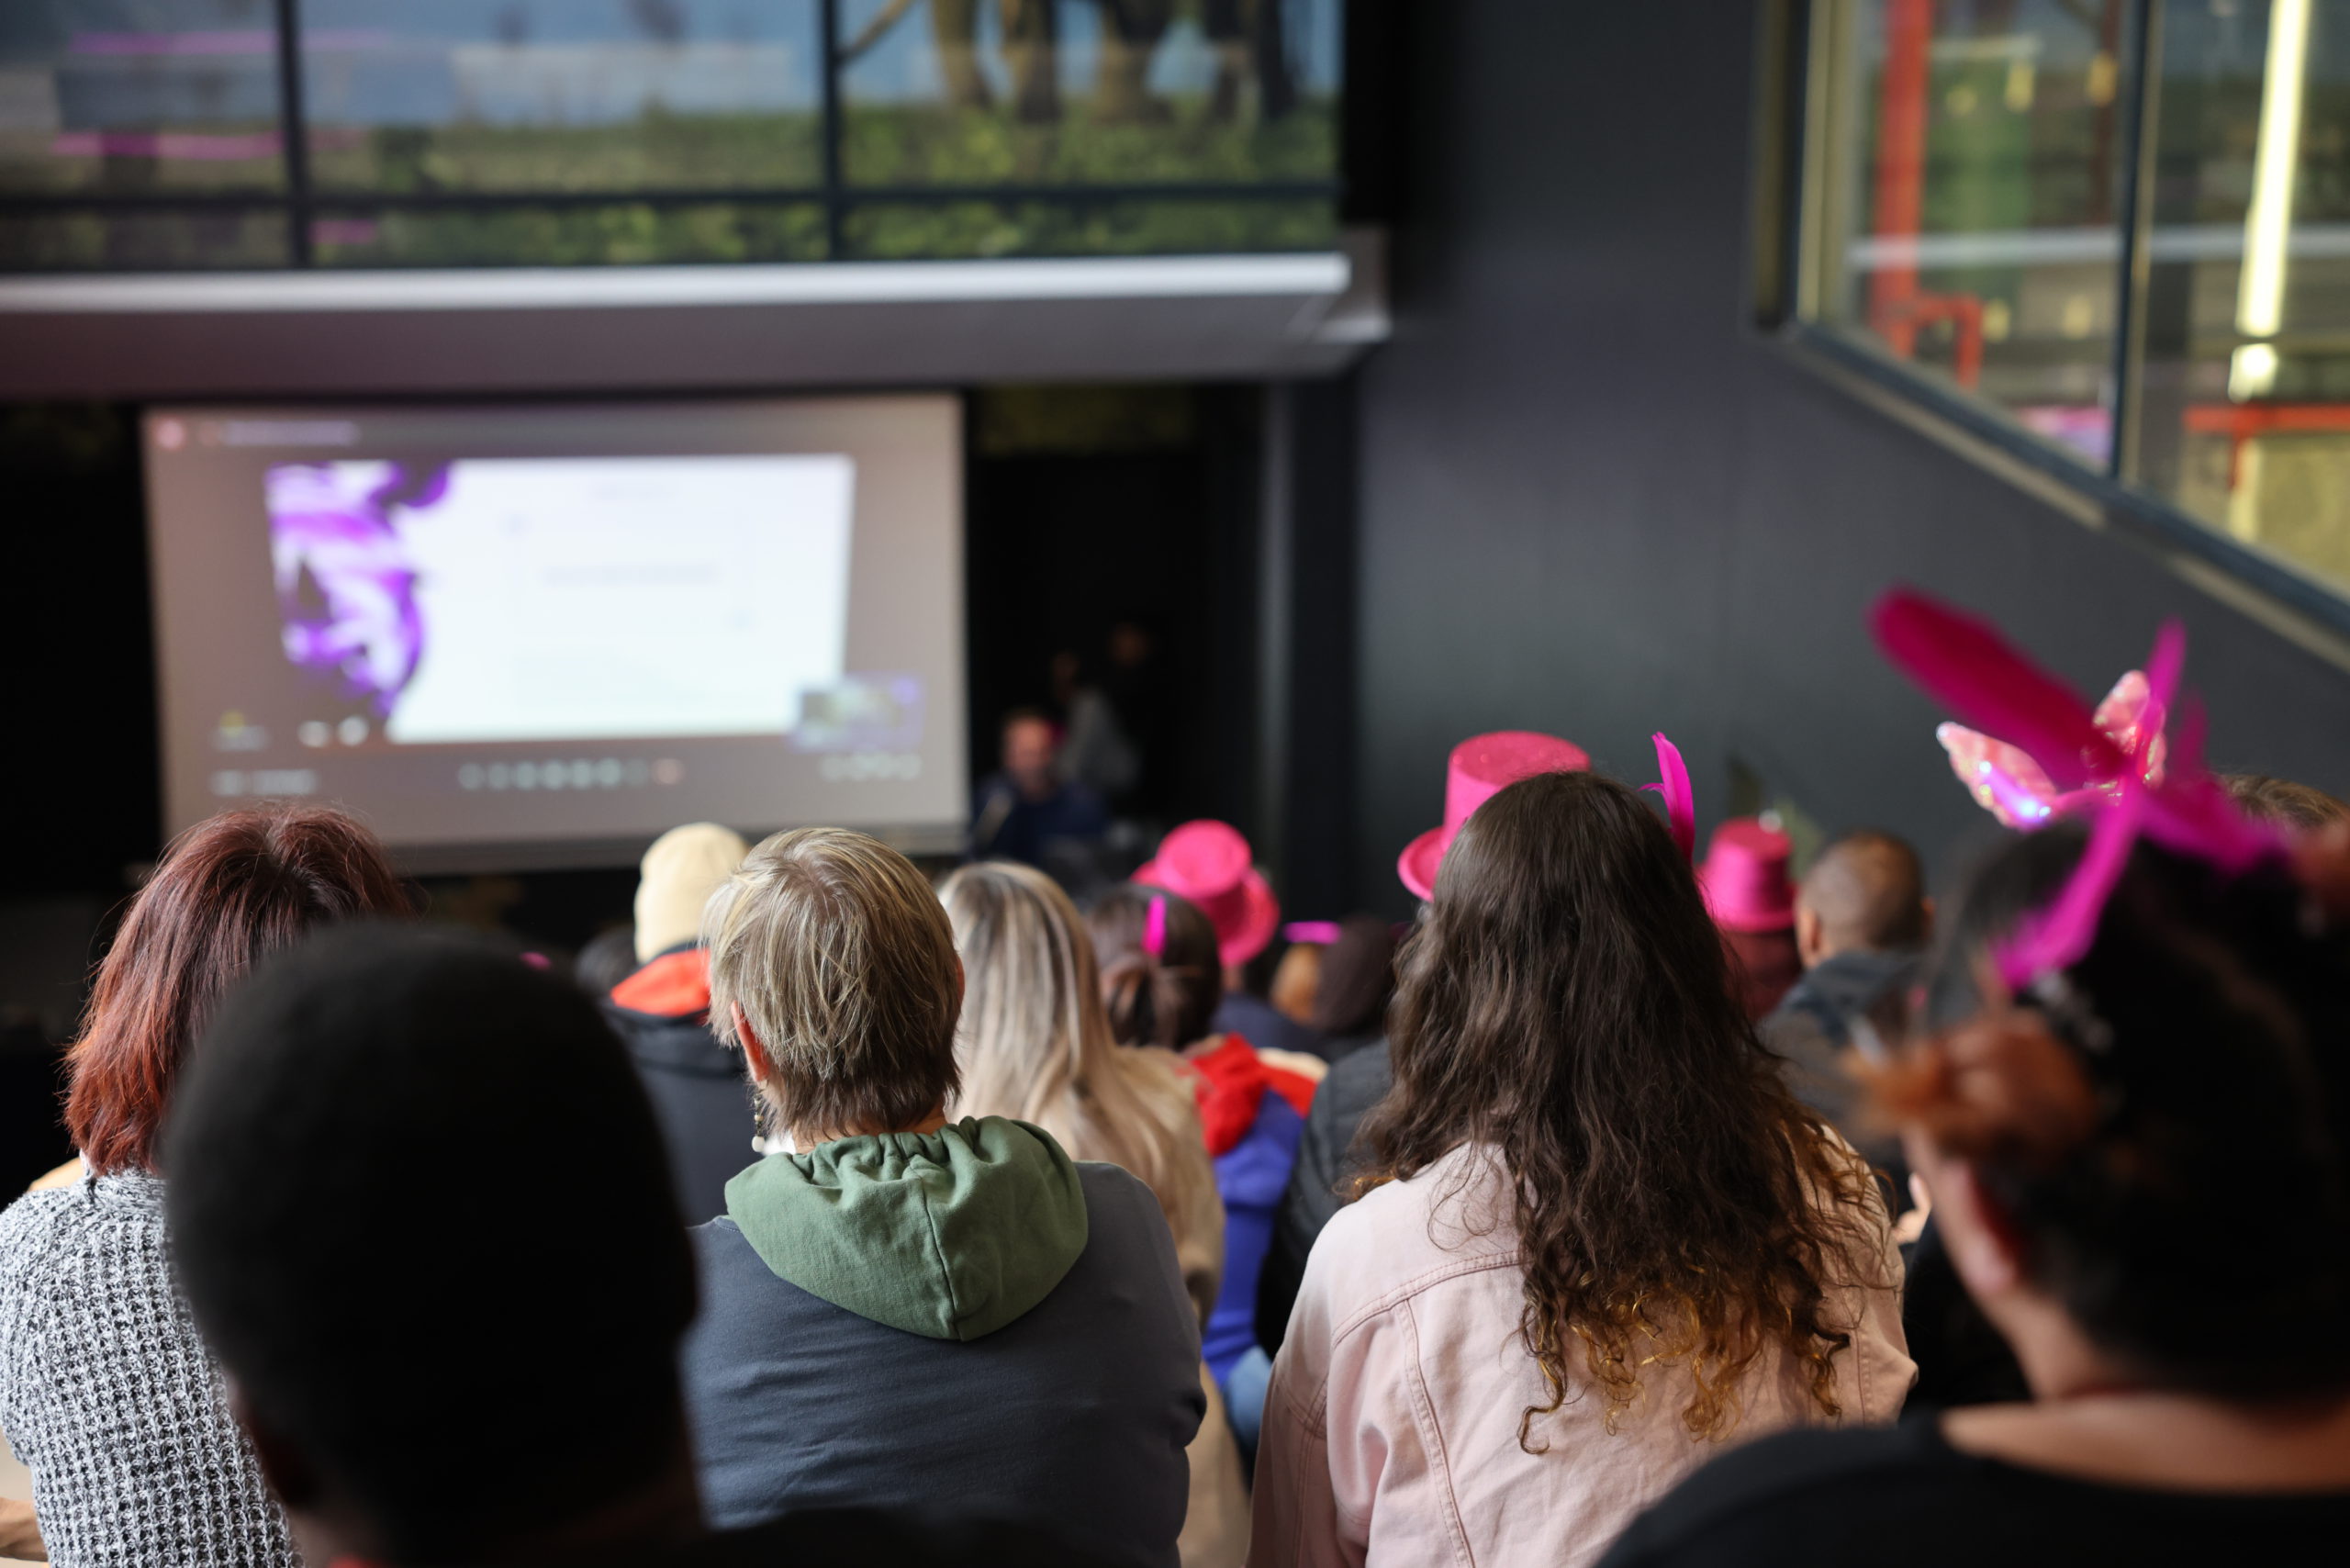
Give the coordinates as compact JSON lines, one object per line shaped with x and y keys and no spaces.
{"x":1154,"y":928}
{"x":2060,"y":936}
{"x":1967,"y":666}
{"x":1679,"y":801}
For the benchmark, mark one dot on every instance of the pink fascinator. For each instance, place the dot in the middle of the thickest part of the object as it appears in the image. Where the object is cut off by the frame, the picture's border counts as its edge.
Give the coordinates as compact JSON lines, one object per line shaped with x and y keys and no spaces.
{"x":2107,"y":766}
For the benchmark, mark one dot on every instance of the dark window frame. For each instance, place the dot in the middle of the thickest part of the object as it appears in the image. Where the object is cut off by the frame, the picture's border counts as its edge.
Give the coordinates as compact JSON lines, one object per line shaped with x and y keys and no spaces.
{"x":302,"y":204}
{"x":1789,"y":118}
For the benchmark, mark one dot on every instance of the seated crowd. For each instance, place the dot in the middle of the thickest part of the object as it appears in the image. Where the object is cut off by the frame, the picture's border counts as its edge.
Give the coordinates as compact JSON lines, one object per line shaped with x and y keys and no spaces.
{"x":1626,"y":1209}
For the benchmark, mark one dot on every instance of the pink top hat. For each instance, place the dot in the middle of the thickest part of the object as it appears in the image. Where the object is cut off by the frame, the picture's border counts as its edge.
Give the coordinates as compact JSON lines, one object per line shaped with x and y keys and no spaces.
{"x":1209,"y":862}
{"x":1481,"y":766}
{"x":1745,"y":878}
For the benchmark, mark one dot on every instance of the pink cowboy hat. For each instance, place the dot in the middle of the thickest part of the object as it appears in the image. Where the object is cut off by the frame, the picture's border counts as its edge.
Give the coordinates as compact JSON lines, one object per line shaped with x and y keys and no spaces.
{"x":1481,"y":766}
{"x":1745,"y":878}
{"x":1209,"y":862}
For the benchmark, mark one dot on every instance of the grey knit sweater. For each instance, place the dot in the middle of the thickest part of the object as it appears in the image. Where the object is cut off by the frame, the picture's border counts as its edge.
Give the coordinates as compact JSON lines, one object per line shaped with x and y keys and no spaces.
{"x":108,"y":1396}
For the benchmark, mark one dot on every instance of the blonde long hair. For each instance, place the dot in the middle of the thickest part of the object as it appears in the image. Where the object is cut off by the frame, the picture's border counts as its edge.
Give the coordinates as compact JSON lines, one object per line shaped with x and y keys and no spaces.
{"x":1034,"y":1044}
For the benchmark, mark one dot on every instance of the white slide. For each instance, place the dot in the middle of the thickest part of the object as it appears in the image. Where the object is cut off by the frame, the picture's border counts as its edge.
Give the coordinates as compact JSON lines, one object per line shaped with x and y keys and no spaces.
{"x":597,"y":597}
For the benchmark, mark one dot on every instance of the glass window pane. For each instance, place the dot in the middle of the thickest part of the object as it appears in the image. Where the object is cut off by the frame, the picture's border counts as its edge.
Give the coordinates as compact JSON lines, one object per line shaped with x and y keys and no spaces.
{"x":133,"y":95}
{"x":1021,"y":92}
{"x":909,"y":230}
{"x":146,"y":239}
{"x":1966,"y":206}
{"x":623,"y":234}
{"x":561,"y":95}
{"x":2245,"y":412}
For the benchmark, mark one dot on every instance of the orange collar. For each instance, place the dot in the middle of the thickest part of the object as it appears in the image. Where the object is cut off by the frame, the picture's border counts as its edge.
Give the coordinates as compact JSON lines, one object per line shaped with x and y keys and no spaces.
{"x":675,"y":985}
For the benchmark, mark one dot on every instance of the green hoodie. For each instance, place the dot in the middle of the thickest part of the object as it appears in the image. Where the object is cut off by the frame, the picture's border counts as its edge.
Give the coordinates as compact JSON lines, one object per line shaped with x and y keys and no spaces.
{"x":951,"y":1234}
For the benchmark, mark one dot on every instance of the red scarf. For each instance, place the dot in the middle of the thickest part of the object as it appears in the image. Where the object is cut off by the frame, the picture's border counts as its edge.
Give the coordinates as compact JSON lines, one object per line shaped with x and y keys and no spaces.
{"x":1230,"y":1084}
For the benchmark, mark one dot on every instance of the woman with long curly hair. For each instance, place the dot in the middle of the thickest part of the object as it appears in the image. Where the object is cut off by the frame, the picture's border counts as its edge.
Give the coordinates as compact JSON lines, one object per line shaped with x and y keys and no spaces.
{"x":1598,"y":1238}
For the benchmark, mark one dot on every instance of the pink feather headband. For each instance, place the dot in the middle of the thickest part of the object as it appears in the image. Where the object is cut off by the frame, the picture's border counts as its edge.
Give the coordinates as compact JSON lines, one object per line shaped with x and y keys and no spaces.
{"x":2115,"y":773}
{"x":1679,"y":801}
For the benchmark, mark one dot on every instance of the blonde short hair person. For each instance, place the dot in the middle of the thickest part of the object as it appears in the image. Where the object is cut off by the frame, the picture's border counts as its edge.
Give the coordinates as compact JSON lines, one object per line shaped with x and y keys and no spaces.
{"x":847,"y":1290}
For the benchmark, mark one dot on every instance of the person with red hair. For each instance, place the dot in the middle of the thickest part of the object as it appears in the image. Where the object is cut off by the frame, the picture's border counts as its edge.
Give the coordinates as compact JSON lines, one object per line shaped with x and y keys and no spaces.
{"x":105,"y":1392}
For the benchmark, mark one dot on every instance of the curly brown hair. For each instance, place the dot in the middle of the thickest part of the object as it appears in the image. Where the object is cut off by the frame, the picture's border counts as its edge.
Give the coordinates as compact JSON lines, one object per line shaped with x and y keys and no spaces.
{"x":1566,"y":1000}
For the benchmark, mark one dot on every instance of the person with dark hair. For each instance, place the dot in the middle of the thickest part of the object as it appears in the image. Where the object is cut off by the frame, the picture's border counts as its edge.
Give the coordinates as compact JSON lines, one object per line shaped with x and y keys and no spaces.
{"x":2301,"y":807}
{"x":1328,"y":1151}
{"x":698,"y":1087}
{"x":903,"y":1309}
{"x":424,"y":1379}
{"x":605,"y":959}
{"x":1210,"y":863}
{"x":105,"y":1392}
{"x":1027,"y":811}
{"x":1862,"y":915}
{"x":2162,"y":1115}
{"x":1600,"y":1238}
{"x":1356,"y":983}
{"x":1161,"y":980}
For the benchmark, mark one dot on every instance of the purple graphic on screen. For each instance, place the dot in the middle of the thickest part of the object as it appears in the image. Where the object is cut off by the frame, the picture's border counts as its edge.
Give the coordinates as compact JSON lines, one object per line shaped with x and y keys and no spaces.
{"x":346,"y":591}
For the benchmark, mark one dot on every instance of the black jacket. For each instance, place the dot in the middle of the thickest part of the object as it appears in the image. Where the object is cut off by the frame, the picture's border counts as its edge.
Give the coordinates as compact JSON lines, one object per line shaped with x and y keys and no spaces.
{"x":698,"y":1087}
{"x":1357,"y":1081}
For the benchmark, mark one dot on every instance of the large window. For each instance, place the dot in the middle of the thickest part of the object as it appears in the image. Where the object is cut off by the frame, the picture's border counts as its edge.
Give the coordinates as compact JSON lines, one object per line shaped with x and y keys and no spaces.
{"x":178,"y":134}
{"x":2120,"y":226}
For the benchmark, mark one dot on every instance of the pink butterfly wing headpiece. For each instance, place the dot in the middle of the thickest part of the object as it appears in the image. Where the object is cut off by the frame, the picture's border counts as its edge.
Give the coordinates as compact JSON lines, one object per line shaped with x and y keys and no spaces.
{"x":1679,"y":801}
{"x":2110,"y":765}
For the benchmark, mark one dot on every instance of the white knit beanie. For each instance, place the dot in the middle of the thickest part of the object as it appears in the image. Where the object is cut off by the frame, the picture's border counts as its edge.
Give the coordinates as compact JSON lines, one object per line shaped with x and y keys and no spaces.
{"x":685,"y":866}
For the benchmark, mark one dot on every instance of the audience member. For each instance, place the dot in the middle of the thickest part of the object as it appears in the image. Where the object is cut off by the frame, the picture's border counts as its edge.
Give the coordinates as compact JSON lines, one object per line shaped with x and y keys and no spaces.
{"x":1554,"y":1299}
{"x":1298,"y":975}
{"x":1476,"y":770}
{"x":1746,"y":890}
{"x":902,"y":1310}
{"x":1210,"y":863}
{"x":1028,"y":813}
{"x":424,"y":1379}
{"x":105,"y":1392}
{"x":1161,"y":980}
{"x":698,"y":1086}
{"x":1356,"y":983}
{"x":1034,"y":1044}
{"x":1095,"y":750}
{"x":605,"y":959}
{"x":2161,"y":1118}
{"x":1861,"y":916}
{"x":2284,"y":803}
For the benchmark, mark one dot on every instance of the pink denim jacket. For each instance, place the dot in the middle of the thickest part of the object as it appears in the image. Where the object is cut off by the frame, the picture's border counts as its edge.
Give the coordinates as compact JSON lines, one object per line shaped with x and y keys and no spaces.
{"x":1391,"y":1431}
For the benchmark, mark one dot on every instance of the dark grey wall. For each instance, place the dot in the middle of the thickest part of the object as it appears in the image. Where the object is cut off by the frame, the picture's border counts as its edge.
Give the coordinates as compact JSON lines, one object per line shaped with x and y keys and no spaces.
{"x":1593,"y":501}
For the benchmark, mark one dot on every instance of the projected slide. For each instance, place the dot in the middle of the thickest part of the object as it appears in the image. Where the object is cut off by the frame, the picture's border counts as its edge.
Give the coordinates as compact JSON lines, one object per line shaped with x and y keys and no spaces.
{"x":567,"y":598}
{"x":542,"y":634}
